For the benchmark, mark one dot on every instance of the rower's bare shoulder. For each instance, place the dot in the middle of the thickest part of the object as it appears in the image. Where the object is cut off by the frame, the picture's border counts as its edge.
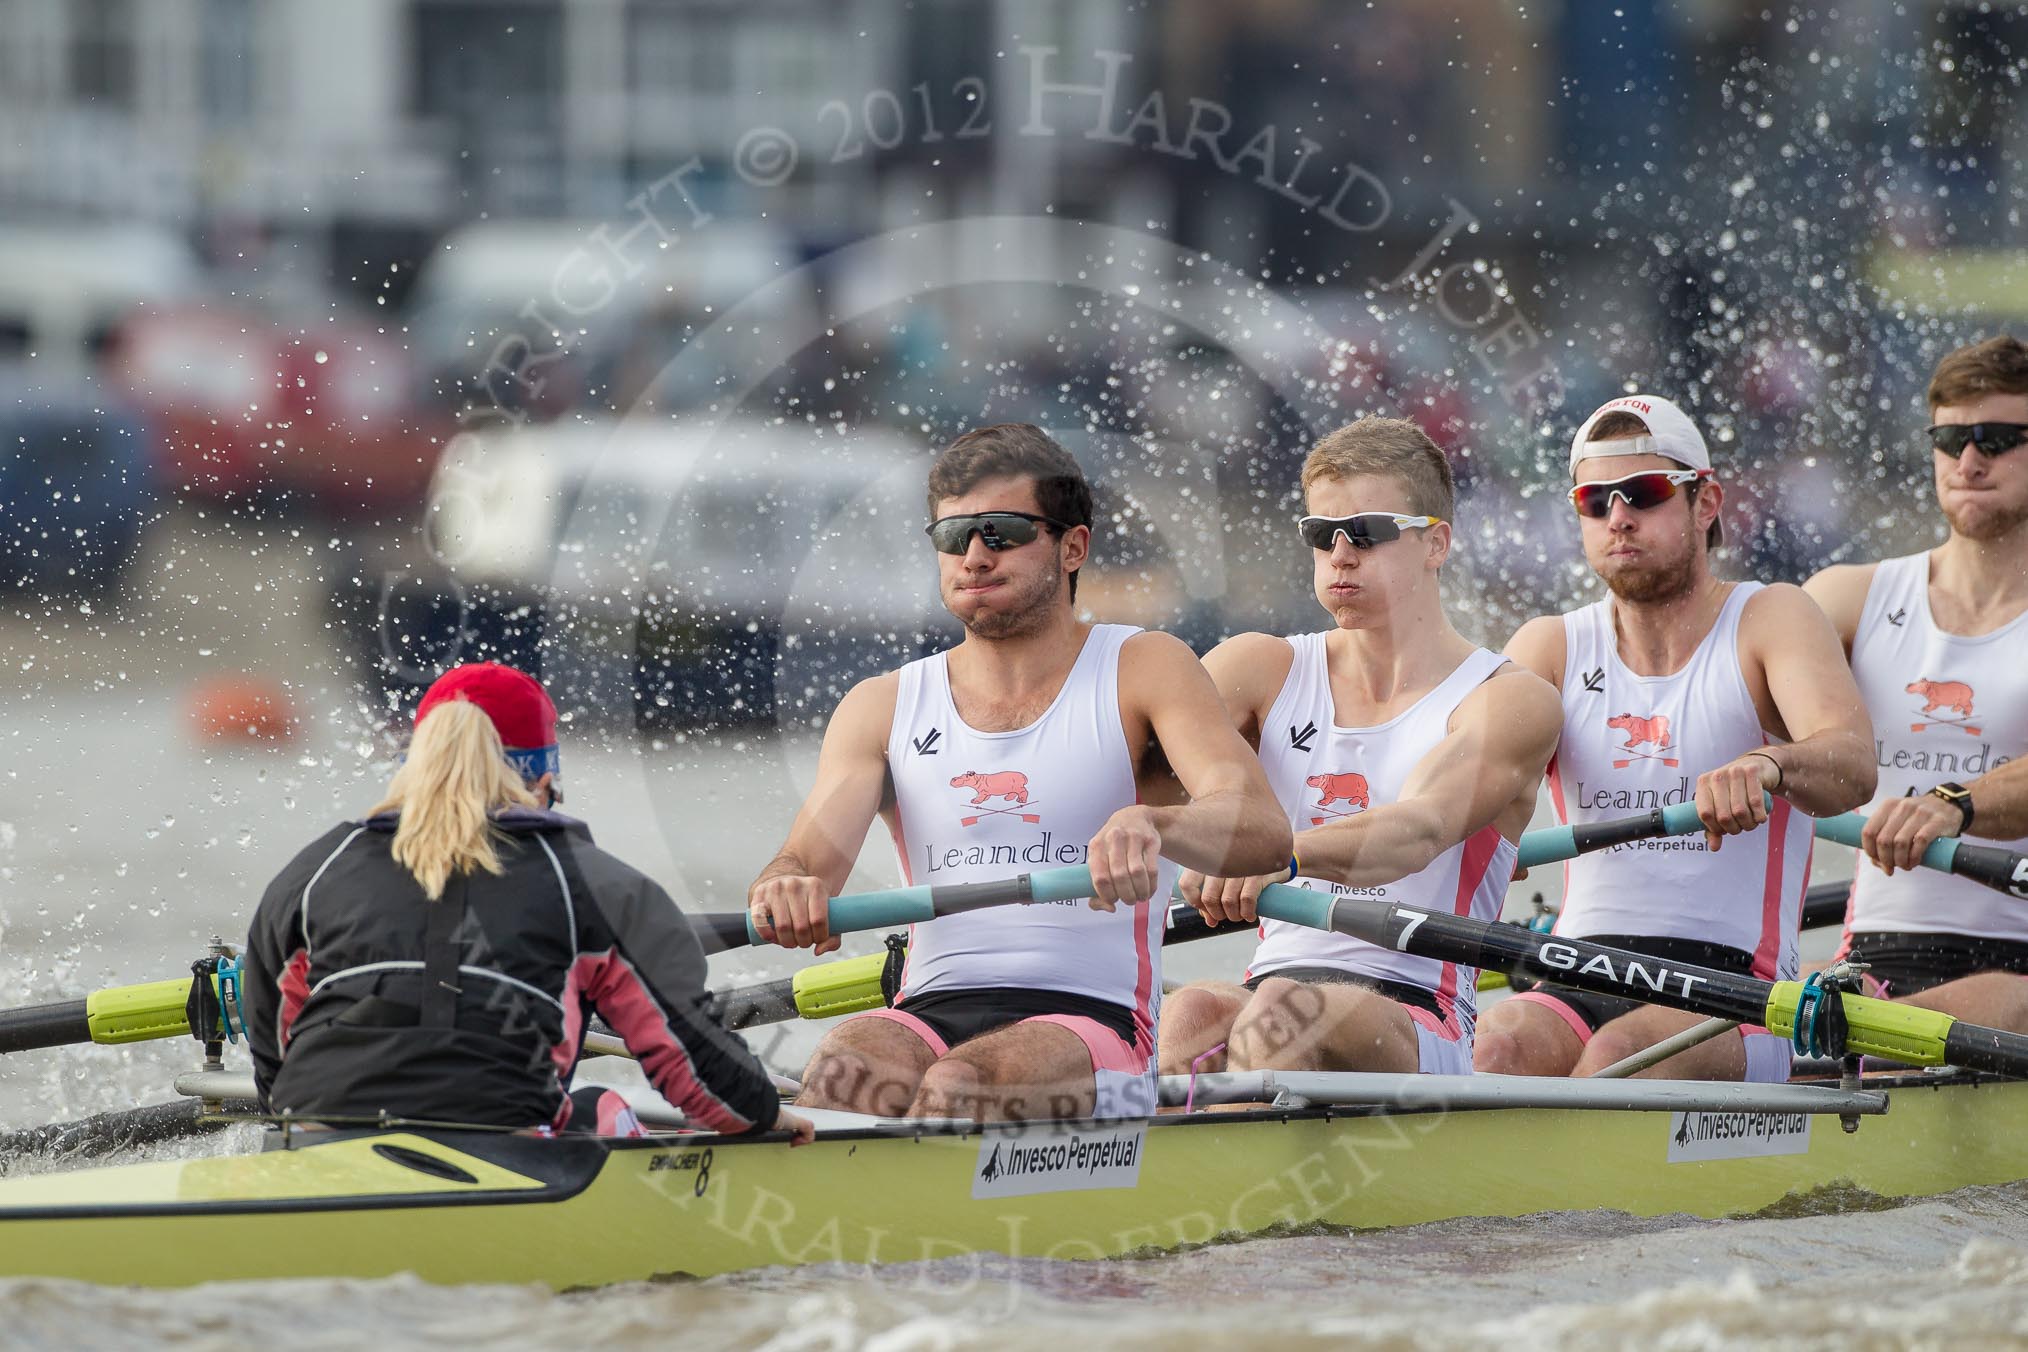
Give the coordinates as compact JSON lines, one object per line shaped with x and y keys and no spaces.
{"x":865,"y":716}
{"x":1519,"y":702}
{"x":1540,"y":646}
{"x":1840,"y":592}
{"x":1773,"y":609}
{"x":1250,"y":669}
{"x":1151,"y":657}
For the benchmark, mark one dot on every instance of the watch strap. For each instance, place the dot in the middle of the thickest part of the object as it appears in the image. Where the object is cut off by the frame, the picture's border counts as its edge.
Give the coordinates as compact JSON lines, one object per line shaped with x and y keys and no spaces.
{"x":1959,"y":797}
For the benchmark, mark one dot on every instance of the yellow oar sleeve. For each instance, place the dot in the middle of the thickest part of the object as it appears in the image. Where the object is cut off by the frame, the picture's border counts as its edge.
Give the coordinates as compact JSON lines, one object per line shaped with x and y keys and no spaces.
{"x":828,"y":989}
{"x":1903,"y":1033}
{"x":138,"y":1013}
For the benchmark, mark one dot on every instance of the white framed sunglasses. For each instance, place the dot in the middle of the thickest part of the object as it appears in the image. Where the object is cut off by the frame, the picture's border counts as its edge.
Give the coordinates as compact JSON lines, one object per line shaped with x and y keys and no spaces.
{"x":1363,"y":529}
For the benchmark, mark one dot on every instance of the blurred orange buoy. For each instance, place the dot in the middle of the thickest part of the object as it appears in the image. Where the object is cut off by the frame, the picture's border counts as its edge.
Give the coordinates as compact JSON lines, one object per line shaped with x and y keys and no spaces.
{"x":241,"y":709}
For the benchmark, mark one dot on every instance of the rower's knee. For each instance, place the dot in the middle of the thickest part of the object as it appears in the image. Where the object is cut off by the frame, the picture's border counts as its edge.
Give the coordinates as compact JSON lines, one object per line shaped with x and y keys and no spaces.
{"x":950,"y":1088}
{"x":858,"y":1070}
{"x":1277,"y":1030}
{"x":852,"y":1082}
{"x":1195,"y":1020}
{"x":1499,"y":1051}
{"x":1609,"y":1046}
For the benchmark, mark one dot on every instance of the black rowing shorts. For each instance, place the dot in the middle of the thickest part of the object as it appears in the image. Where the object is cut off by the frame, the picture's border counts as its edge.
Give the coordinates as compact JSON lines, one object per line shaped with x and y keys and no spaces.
{"x":1909,"y":964}
{"x":1599,"y":1010}
{"x":1398,"y":991}
{"x":961,"y":1015}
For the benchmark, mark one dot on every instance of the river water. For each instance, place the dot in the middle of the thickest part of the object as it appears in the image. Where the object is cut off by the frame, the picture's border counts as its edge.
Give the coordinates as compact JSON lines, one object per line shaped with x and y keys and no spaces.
{"x":126,"y":842}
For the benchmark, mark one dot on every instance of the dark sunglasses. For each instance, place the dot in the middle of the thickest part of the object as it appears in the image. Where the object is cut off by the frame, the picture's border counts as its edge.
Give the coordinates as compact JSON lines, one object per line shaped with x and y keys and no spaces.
{"x":1649,"y":488}
{"x":1364,"y":529}
{"x":996,"y":530}
{"x":1990,"y":438}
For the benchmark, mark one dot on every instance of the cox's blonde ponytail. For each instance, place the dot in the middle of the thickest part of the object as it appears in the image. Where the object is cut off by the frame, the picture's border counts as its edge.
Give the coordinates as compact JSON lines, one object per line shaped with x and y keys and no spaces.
{"x":456,"y":776}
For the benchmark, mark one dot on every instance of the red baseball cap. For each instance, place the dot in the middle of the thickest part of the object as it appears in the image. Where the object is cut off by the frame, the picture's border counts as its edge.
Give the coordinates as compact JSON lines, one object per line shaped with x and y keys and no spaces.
{"x":516,"y":702}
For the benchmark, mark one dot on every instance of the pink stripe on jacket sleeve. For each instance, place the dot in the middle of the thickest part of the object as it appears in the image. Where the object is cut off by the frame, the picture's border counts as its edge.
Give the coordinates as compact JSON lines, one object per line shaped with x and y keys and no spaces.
{"x":625,"y":1001}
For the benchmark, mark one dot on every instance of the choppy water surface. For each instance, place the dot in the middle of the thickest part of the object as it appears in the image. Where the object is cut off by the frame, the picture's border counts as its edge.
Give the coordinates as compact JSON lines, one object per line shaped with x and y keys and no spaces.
{"x":1949,"y":1272}
{"x":124,"y":844}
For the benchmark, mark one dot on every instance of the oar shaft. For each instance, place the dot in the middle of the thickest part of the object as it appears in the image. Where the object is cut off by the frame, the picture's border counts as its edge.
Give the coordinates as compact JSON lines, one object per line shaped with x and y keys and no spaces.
{"x":1513,"y":949}
{"x":1992,"y":1049}
{"x":1874,"y":1027}
{"x":52,"y":1025}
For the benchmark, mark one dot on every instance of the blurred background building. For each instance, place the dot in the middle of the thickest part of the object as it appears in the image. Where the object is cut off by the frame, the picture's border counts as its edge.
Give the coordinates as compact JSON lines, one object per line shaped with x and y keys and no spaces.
{"x":509,"y":305}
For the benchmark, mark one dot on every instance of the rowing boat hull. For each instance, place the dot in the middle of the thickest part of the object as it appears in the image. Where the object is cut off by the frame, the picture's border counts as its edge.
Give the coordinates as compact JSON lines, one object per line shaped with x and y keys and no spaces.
{"x":570,"y":1214}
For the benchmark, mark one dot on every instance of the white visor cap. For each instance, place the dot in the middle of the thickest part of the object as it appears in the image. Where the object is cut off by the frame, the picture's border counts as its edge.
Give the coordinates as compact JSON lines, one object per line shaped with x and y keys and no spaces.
{"x":1670,"y":434}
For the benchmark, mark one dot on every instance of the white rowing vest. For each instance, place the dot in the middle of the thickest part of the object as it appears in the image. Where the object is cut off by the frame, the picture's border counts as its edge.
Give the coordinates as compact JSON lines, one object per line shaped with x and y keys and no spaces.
{"x":1634,"y":743}
{"x":1323,"y":773}
{"x":974,"y":806}
{"x":1946,"y":709}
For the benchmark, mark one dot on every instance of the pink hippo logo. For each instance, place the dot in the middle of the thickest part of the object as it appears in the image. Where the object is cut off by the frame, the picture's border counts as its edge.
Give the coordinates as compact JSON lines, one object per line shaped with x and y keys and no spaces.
{"x":1652,"y":730}
{"x":1953,"y":695}
{"x":1341,"y":788}
{"x":1011,"y":785}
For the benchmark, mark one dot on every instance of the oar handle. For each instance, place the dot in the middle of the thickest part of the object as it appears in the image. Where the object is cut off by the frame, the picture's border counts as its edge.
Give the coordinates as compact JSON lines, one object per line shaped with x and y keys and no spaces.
{"x":885,"y":908}
{"x":2002,"y":870}
{"x":1554,"y":844}
{"x":888,"y":907}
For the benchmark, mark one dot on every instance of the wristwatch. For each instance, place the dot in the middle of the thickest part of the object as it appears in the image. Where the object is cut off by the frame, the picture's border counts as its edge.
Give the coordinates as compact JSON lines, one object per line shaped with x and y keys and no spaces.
{"x":1959,"y":797}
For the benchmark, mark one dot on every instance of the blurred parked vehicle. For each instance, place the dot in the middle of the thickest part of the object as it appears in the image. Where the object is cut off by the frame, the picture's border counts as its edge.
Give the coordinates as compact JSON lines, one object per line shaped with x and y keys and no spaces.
{"x":76,"y":486}
{"x":588,"y":319}
{"x":65,"y":288}
{"x":317,"y":409}
{"x":699,"y":572}
{"x":728,"y":572}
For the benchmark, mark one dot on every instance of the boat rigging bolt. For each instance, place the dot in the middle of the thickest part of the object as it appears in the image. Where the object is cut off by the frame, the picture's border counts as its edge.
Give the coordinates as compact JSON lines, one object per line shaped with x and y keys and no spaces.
{"x":1842,"y":976}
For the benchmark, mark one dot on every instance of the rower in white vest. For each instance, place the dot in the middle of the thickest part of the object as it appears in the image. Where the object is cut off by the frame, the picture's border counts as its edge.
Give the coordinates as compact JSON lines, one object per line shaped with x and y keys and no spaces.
{"x":1939,"y":644}
{"x":1679,"y":687}
{"x":1408,"y":760}
{"x":1027,"y":745}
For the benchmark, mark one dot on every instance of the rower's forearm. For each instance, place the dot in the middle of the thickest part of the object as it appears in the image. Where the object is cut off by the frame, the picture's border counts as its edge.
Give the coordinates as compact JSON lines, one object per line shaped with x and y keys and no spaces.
{"x":2000,"y":802}
{"x":1226,"y":835}
{"x":1379,"y":846}
{"x":1826,"y":774}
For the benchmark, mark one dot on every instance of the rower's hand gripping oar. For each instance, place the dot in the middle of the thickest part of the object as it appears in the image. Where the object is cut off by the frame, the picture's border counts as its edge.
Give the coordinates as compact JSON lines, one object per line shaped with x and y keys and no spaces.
{"x":2003,"y":870}
{"x":156,"y":1009}
{"x":1997,"y":868}
{"x":885,"y":908}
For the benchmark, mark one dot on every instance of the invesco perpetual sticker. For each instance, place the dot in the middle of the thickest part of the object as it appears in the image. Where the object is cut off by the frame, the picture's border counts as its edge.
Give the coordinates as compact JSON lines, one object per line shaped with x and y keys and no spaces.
{"x":1053,"y":1159}
{"x":1737,"y":1136}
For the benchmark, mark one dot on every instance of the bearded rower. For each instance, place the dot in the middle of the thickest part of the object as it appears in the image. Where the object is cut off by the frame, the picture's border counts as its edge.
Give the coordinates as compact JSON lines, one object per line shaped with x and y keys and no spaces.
{"x":1938,"y":641}
{"x":1408,"y":760}
{"x":1677,"y":687}
{"x":1029,"y":739}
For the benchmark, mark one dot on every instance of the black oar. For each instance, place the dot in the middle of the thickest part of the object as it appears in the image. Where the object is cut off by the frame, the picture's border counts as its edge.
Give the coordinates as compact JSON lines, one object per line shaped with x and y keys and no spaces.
{"x":1824,"y":905}
{"x":826,"y":990}
{"x":1832,"y":1024}
{"x":122,"y":1129}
